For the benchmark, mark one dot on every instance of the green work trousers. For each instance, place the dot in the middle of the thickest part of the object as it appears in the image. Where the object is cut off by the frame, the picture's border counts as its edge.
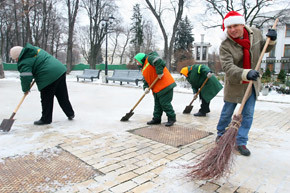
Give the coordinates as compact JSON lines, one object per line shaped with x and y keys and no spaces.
{"x":163,"y":103}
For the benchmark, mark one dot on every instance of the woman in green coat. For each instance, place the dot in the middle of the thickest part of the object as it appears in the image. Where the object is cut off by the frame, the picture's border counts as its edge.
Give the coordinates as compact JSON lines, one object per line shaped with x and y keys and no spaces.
{"x":196,"y":75}
{"x":49,"y":75}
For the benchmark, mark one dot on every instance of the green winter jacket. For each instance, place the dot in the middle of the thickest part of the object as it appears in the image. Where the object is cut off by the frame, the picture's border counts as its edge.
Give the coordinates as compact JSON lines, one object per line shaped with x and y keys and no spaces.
{"x":159,"y":64}
{"x":36,"y":63}
{"x":196,"y":76}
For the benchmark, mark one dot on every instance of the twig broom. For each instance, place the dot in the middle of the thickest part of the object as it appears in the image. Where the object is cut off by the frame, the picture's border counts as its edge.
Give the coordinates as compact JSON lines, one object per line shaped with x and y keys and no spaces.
{"x":217,"y":161}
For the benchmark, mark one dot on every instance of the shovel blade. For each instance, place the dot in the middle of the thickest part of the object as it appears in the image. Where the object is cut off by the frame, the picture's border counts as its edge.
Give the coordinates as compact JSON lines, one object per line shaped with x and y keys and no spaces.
{"x":6,"y":124}
{"x":127,"y":116}
{"x":187,"y":109}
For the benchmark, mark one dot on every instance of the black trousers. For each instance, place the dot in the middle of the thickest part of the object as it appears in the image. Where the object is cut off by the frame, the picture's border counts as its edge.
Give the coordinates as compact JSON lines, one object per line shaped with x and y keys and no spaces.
{"x":58,"y":89}
{"x":204,"y":107}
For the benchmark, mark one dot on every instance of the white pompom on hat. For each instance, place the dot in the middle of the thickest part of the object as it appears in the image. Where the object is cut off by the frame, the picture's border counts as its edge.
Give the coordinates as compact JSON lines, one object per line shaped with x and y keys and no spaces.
{"x":231,"y":18}
{"x":15,"y":52}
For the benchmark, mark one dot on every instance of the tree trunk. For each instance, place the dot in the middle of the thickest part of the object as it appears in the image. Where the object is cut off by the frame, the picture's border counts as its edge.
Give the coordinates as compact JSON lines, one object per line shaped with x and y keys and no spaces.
{"x":72,"y":13}
{"x":2,"y":75}
{"x":28,"y":29}
{"x":167,"y":49}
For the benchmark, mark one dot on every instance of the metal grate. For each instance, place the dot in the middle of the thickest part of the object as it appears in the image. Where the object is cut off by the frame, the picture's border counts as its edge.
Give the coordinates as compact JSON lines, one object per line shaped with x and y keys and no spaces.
{"x":175,"y":135}
{"x":44,"y":172}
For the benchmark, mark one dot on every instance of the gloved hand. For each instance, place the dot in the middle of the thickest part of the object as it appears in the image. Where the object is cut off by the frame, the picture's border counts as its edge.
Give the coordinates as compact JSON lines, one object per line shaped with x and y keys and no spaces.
{"x":209,"y":74}
{"x":160,"y":75}
{"x":147,"y":90}
{"x":253,"y":75}
{"x":272,"y":34}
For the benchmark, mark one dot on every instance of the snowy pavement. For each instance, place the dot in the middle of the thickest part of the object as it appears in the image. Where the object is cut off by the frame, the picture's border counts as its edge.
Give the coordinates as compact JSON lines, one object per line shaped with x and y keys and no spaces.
{"x":131,"y":163}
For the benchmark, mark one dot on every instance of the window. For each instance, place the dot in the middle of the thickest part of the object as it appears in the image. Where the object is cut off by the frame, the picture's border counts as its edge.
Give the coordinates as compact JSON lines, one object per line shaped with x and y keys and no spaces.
{"x":286,"y":64}
{"x":198,"y":53}
{"x":204,"y":52}
{"x":286,"y":67}
{"x":287,"y":50}
{"x":271,"y":67}
{"x":287,"y":30}
{"x":272,"y":53}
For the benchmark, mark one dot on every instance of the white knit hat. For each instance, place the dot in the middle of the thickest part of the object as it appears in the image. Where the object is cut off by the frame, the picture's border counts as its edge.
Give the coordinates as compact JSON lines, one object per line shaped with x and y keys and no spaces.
{"x":231,"y":18}
{"x":15,"y":52}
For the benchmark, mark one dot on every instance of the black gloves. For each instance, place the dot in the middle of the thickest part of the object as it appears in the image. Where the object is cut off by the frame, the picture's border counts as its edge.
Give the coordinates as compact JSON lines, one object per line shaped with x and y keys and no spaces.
{"x":253,"y":75}
{"x":272,"y":34}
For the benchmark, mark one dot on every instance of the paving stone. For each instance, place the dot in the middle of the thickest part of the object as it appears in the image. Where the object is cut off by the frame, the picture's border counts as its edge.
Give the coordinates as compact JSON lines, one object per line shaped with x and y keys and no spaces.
{"x":126,"y":168}
{"x":209,"y":187}
{"x":125,"y":177}
{"x":144,"y":169}
{"x":144,"y":178}
{"x":227,"y":188}
{"x":244,"y":190}
{"x":123,"y":187}
{"x":143,"y":187}
{"x":174,"y":156}
{"x":110,"y":168}
{"x":188,"y":156}
{"x":158,"y":156}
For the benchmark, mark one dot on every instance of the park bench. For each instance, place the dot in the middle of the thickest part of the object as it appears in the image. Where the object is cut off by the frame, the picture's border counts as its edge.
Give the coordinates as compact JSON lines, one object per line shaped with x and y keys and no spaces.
{"x":126,"y":76}
{"x":89,"y":74}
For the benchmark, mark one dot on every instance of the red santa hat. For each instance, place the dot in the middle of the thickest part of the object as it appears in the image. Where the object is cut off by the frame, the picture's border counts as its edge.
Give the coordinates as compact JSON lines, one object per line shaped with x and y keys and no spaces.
{"x":232,"y":18}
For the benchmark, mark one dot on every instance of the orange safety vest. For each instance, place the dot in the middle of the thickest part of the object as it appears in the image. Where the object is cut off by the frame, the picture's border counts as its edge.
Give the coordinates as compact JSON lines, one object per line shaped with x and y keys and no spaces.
{"x":149,"y":73}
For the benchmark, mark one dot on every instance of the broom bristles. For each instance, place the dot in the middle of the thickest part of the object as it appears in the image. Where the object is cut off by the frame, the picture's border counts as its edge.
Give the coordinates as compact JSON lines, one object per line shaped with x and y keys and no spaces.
{"x":217,"y":161}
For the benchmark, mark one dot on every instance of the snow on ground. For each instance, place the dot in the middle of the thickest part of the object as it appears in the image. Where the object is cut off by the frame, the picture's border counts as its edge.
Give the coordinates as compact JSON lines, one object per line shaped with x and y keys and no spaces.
{"x":99,"y":110}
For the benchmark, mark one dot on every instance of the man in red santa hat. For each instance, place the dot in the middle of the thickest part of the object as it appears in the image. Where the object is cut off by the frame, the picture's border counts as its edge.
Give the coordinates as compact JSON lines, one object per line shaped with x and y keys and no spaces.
{"x":239,"y":53}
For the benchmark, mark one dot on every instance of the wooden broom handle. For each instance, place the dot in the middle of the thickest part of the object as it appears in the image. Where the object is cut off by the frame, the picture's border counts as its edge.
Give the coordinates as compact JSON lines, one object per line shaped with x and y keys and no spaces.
{"x":153,"y":83}
{"x":22,"y":99}
{"x":249,"y":88}
{"x":196,"y":94}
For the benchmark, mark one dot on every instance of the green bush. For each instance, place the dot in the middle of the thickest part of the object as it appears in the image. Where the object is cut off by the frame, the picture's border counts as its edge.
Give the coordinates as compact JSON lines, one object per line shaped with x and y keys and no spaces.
{"x":288,"y":83}
{"x":282,"y":76}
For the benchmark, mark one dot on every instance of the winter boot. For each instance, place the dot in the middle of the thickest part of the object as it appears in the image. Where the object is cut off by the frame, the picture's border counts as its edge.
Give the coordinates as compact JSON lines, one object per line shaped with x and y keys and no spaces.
{"x":243,"y":150}
{"x":170,"y":122}
{"x":154,"y":121}
{"x":217,"y":138}
{"x":200,"y":114}
{"x":71,"y":117}
{"x":41,"y":122}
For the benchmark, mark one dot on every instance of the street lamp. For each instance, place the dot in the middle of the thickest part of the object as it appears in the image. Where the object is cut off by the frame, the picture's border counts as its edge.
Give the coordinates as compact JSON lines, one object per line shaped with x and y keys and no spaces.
{"x":105,"y":22}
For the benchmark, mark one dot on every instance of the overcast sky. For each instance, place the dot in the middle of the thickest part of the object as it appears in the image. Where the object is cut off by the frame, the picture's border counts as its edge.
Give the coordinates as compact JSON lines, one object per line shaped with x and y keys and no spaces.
{"x":194,"y":12}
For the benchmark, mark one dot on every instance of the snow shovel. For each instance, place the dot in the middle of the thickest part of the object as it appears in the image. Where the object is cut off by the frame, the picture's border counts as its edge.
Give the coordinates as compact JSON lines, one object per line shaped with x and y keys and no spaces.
{"x":128,"y":115}
{"x":7,"y":123}
{"x":188,"y":108}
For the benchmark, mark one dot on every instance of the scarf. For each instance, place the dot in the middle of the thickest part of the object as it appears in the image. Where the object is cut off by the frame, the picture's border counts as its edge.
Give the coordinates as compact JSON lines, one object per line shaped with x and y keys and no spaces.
{"x":245,"y":43}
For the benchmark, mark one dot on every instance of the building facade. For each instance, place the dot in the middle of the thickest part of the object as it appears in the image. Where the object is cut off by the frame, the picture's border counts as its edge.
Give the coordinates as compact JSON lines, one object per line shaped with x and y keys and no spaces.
{"x":201,"y":51}
{"x":279,"y":57}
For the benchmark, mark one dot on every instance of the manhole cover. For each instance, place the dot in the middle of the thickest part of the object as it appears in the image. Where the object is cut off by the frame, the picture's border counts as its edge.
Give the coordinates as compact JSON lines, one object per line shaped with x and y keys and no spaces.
{"x":175,"y":135}
{"x":42,"y":172}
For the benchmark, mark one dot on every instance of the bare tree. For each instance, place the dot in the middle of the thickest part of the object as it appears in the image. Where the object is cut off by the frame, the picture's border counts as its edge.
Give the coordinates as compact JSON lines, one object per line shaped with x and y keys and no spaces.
{"x":157,"y":10}
{"x":114,"y":39}
{"x":127,"y":34}
{"x":149,"y":41}
{"x":84,"y":39}
{"x":251,"y":10}
{"x":55,"y":32}
{"x":73,"y":6}
{"x":97,"y":10}
{"x":27,"y":7}
{"x":34,"y":21}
